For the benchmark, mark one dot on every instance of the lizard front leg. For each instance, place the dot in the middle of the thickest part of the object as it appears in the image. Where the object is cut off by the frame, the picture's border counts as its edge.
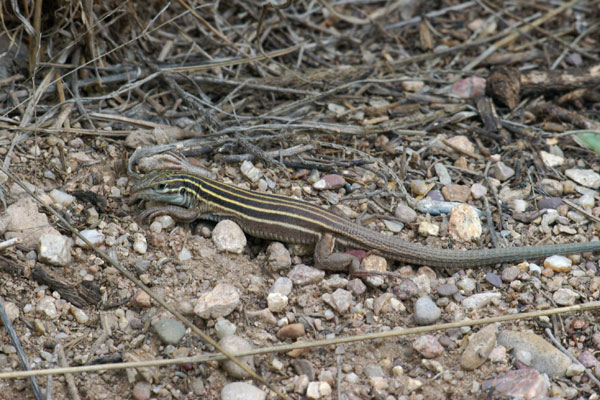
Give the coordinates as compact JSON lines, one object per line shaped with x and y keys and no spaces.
{"x":180,"y":214}
{"x":326,"y":257}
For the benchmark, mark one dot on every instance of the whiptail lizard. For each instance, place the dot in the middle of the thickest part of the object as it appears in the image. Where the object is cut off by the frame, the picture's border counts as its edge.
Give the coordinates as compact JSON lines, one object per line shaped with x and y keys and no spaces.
{"x":191,"y":196}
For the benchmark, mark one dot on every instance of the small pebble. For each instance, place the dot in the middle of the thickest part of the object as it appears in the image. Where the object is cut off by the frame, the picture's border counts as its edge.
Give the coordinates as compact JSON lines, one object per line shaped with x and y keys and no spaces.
{"x":278,"y":257}
{"x":584,"y":177}
{"x":242,"y":391}
{"x":282,"y":286}
{"x":426,"y":228}
{"x":170,"y":331}
{"x":277,"y":302}
{"x":329,"y":182}
{"x":442,"y":173}
{"x":236,"y":344}
{"x":405,"y":214}
{"x":493,"y":279}
{"x":428,"y":346}
{"x":565,"y":297}
{"x":479,"y":347}
{"x":219,"y":302}
{"x":447,"y":289}
{"x":55,"y":249}
{"x":551,"y":160}
{"x":426,"y":311}
{"x":302,"y":275}
{"x":141,"y":391}
{"x":454,"y":192}
{"x":229,"y":237}
{"x":250,"y":171}
{"x":464,"y":223}
{"x":502,"y":172}
{"x":478,"y":191}
{"x":224,"y":328}
{"x":480,"y":300}
{"x":340,"y":300}
{"x":558,"y":263}
{"x":291,"y":331}
{"x":140,"y":245}
{"x":141,"y":299}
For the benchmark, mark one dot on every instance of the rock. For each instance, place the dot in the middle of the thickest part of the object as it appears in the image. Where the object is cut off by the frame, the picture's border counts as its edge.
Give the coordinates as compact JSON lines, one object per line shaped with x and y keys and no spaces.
{"x":493,"y":279}
{"x":169,"y":331}
{"x":22,"y":220}
{"x":466,"y":284}
{"x":229,"y":237}
{"x":224,"y":328}
{"x":464,"y":223}
{"x":480,"y":300}
{"x":478,"y":191}
{"x":62,"y":198}
{"x":447,"y":289}
{"x":406,"y":214}
{"x":442,"y":173}
{"x":47,"y":306}
{"x":502,"y":172}
{"x":252,"y":173}
{"x":542,"y":355}
{"x":140,"y":245}
{"x":242,"y":391}
{"x":330,"y":182}
{"x":219,"y":302}
{"x":340,"y":300}
{"x":141,"y":299}
{"x":302,"y":275}
{"x":277,"y":302}
{"x":462,"y":143}
{"x":551,"y":186}
{"x":565,"y":297}
{"x":406,"y":289}
{"x":55,"y":249}
{"x":479,"y":347}
{"x":549,"y":203}
{"x":419,"y":187}
{"x":141,"y":391}
{"x":427,"y":228}
{"x":291,"y":331}
{"x":236,"y":344}
{"x":526,"y":383}
{"x":584,"y":177}
{"x":575,"y":369}
{"x":278,"y":257}
{"x":428,"y":346}
{"x":551,"y":160}
{"x":282,"y":286}
{"x":12,"y":311}
{"x":509,"y":274}
{"x":558,"y":263}
{"x":426,"y":311}
{"x":93,"y":235}
{"x":454,"y":192}
{"x":357,"y":287}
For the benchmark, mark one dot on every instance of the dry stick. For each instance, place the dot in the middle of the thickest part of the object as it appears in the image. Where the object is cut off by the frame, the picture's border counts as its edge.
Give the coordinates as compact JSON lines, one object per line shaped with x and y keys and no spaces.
{"x":62,"y":360}
{"x":17,"y":345}
{"x":515,"y":35}
{"x":575,"y":41}
{"x":571,"y":356}
{"x":141,"y":285}
{"x":570,"y":46}
{"x":590,"y":306}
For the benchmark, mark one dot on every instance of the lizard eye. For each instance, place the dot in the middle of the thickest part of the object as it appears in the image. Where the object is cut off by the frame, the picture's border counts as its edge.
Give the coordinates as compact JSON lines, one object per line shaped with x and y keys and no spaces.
{"x":161,"y":186}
